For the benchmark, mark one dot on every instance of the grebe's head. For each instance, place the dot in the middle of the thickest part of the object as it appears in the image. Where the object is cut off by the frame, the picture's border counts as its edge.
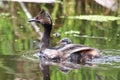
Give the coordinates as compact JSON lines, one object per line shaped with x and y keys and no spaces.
{"x":43,"y":18}
{"x":65,"y":41}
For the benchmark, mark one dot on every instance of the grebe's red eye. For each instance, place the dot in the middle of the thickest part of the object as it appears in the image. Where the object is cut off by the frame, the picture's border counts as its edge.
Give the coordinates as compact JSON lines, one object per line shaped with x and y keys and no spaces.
{"x":38,"y":17}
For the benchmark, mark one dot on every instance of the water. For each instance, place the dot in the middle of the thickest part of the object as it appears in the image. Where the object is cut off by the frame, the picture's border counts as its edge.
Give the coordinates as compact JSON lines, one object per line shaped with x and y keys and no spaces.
{"x":26,"y":67}
{"x":15,"y":67}
{"x":18,"y":41}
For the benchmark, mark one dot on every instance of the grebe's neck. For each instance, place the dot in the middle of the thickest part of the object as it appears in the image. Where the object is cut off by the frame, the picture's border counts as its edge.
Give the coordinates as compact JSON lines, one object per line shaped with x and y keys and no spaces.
{"x":45,"y":41}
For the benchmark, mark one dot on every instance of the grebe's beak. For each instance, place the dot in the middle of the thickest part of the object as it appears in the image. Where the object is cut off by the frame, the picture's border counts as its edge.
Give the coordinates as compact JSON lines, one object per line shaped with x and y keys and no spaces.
{"x":32,"y":20}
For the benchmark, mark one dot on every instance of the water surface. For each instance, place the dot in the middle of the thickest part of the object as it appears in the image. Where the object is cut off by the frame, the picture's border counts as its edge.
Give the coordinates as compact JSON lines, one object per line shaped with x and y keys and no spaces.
{"x":26,"y":67}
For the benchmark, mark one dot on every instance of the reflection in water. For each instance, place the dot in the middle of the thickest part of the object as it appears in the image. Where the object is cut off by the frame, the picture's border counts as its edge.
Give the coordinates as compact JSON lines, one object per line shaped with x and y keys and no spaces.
{"x":16,"y":68}
{"x":26,"y":67}
{"x":108,"y":58}
{"x":103,"y":64}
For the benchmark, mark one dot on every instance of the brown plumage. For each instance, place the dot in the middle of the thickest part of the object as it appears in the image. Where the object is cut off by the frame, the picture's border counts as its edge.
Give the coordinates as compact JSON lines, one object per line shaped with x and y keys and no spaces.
{"x":75,"y":53}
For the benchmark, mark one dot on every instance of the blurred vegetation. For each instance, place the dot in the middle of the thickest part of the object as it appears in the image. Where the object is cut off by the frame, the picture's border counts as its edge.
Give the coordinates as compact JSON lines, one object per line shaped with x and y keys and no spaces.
{"x":83,"y":21}
{"x":90,"y":24}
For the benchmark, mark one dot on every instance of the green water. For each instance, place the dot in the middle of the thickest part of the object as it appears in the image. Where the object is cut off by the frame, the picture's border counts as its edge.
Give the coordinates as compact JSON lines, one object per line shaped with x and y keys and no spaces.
{"x":18,"y":41}
{"x":27,"y":67}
